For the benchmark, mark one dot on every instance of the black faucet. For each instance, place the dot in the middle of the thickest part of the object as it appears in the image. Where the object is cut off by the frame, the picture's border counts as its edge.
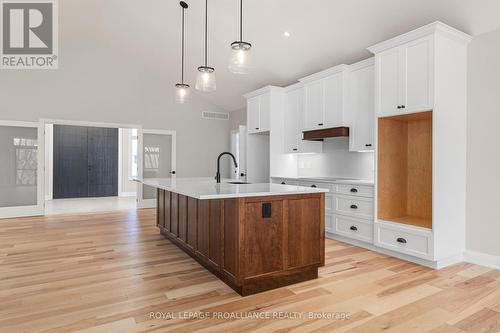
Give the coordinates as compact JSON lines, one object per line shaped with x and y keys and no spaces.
{"x":217,"y":175}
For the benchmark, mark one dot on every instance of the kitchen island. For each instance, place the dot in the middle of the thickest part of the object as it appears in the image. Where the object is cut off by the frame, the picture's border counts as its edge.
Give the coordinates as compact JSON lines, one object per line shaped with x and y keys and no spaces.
{"x":254,"y":237}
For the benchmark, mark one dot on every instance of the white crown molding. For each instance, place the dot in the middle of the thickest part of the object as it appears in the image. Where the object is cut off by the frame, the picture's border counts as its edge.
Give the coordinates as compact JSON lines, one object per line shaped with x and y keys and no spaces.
{"x":262,"y":91}
{"x":325,"y":73}
{"x":293,"y":87}
{"x":362,"y":64}
{"x":427,"y":30}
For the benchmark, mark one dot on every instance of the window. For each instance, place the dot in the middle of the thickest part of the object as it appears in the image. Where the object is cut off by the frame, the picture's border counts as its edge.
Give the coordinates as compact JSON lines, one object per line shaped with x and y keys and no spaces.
{"x":26,"y":160}
{"x":151,"y":158}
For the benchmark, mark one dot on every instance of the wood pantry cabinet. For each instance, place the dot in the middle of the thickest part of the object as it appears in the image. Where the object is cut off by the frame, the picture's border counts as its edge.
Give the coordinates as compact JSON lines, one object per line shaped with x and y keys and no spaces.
{"x":252,"y":244}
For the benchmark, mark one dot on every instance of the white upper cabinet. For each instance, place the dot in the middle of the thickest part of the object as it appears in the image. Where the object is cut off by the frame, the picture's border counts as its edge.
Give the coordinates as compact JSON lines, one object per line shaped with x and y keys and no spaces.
{"x":324,"y":98}
{"x":361,"y":106}
{"x":253,"y":114}
{"x":405,"y":77}
{"x":259,"y":110}
{"x":294,"y":122}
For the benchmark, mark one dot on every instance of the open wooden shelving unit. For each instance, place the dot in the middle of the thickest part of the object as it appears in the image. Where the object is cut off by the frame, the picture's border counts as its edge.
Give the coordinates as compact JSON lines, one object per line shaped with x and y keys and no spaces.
{"x":405,"y":169}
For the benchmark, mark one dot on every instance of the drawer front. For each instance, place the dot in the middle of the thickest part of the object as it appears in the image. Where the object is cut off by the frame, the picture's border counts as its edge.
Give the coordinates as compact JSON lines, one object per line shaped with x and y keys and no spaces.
{"x":329,"y":223}
{"x":354,"y":228}
{"x":354,"y":190}
{"x":353,"y":206}
{"x":318,"y":185}
{"x":403,"y":239}
{"x":329,"y":203}
{"x":285,"y":181}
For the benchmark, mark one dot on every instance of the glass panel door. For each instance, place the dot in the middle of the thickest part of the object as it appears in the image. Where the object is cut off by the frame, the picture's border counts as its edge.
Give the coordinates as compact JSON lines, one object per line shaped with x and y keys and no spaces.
{"x":21,"y":177}
{"x":158,"y":161}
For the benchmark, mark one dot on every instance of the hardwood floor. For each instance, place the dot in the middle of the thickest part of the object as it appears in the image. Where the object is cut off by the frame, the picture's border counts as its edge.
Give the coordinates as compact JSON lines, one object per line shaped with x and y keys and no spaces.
{"x":113,"y":272}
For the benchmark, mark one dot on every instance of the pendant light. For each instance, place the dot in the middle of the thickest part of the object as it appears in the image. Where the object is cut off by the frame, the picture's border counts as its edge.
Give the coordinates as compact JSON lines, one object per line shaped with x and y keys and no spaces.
{"x":206,"y":75}
{"x":182,"y":89}
{"x":240,"y":53}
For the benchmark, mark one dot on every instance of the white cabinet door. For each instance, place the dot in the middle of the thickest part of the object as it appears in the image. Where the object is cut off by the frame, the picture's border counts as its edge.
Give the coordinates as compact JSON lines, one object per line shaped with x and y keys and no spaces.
{"x":362,"y":108}
{"x":314,"y":104}
{"x":333,"y":100}
{"x":417,"y":75}
{"x":292,"y":121}
{"x":265,"y":112}
{"x":388,"y":85}
{"x":253,"y":106}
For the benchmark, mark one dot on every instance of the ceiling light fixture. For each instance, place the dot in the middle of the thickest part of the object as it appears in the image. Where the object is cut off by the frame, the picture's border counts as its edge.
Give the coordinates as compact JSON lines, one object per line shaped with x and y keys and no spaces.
{"x":182,"y":89}
{"x":286,"y":34}
{"x":240,"y":53}
{"x":206,"y":75}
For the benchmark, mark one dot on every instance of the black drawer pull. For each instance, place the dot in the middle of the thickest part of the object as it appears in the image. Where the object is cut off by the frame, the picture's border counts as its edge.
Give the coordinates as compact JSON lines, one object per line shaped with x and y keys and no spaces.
{"x":403,"y":106}
{"x":283,"y":183}
{"x":320,"y":124}
{"x":368,"y":145}
{"x":314,"y":186}
{"x":257,"y":128}
{"x":353,"y":228}
{"x":354,"y":190}
{"x":294,"y":149}
{"x":354,"y":207}
{"x":399,"y":107}
{"x":401,"y":240}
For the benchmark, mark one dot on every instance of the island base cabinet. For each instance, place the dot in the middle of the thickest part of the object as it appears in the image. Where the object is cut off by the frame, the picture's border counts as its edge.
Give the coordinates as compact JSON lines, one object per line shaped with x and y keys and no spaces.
{"x":252,"y":244}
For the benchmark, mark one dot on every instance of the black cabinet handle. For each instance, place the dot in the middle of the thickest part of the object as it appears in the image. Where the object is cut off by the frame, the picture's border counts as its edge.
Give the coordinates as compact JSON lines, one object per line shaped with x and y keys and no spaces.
{"x":354,"y":190}
{"x":399,"y":106}
{"x":353,"y":228}
{"x":283,"y":183}
{"x":294,"y":149}
{"x":242,"y":174}
{"x":320,"y":124}
{"x":368,"y":145}
{"x":354,"y":207}
{"x":403,"y":106}
{"x":401,"y":240}
{"x":313,"y":186}
{"x":172,"y":172}
{"x":257,"y":128}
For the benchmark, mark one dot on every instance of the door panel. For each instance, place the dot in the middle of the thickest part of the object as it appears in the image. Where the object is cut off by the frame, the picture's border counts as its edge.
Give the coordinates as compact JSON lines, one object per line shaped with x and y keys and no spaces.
{"x":314,"y":104}
{"x":102,"y":162}
{"x":70,"y":170}
{"x":157,"y":160}
{"x":417,"y":76}
{"x":388,"y":85}
{"x":253,"y":106}
{"x":265,"y":112}
{"x":334,"y":100}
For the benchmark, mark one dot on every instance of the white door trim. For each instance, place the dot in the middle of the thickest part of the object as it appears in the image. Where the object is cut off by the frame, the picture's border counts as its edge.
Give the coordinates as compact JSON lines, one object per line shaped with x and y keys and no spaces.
{"x":151,"y":203}
{"x":38,"y":209}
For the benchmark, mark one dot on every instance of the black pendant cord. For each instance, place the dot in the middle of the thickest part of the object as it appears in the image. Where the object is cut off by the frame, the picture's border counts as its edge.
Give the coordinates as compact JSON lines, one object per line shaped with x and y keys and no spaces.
{"x":241,"y":20}
{"x":182,"y":52}
{"x":206,"y":32}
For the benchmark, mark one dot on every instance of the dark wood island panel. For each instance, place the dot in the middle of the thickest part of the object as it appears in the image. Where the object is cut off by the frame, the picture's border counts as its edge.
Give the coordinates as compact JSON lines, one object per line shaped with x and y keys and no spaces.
{"x":252,"y":244}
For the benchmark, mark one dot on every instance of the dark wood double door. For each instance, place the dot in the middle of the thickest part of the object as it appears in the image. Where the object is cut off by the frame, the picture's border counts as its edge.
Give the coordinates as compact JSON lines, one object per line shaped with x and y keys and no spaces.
{"x":85,"y":162}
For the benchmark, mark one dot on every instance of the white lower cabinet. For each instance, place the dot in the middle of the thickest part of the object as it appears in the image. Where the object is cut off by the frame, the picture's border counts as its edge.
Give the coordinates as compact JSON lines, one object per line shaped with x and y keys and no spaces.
{"x":414,"y":241}
{"x":353,"y":228}
{"x":353,"y":206}
{"x":329,"y":223}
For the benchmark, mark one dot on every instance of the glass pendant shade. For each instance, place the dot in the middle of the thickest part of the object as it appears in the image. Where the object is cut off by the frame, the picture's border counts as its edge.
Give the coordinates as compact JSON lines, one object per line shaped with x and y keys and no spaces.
{"x":205,"y":80}
{"x":181,"y":93}
{"x":239,"y":62}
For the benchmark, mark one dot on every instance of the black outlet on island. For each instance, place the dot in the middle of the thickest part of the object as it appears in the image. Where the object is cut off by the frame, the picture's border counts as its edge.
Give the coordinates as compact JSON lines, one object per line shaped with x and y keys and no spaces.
{"x":267,"y":210}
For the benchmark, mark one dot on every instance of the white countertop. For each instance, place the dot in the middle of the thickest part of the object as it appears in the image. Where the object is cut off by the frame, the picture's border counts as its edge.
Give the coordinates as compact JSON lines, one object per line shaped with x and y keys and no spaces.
{"x":337,"y":180}
{"x":207,"y":188}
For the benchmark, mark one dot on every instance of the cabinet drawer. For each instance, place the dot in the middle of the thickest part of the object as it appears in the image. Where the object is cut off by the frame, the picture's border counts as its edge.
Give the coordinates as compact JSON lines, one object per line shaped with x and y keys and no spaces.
{"x":412,"y":241}
{"x":329,"y":223}
{"x":353,"y":206}
{"x":284,"y":181}
{"x":354,"y":190}
{"x":329,"y":203}
{"x":318,"y":185}
{"x":353,"y":228}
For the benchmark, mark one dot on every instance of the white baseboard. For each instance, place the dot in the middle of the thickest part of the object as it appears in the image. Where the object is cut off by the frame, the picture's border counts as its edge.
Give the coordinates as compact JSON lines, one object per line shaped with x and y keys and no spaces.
{"x":482,"y":259}
{"x":128,"y":194}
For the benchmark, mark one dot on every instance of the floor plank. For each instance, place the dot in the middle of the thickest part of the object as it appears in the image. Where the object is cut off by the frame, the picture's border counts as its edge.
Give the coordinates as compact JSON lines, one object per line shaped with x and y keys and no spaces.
{"x":113,"y":272}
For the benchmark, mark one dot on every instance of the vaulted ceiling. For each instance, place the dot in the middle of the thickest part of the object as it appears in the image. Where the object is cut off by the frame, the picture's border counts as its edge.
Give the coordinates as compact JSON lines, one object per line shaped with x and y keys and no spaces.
{"x":324,"y":33}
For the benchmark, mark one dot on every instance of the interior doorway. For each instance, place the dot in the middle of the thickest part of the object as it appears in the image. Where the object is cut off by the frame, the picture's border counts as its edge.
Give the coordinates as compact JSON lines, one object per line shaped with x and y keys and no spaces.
{"x":85,"y":162}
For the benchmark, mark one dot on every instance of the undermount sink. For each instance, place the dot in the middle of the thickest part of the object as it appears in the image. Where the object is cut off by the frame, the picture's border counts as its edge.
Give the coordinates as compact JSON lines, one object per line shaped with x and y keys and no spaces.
{"x":238,"y":183}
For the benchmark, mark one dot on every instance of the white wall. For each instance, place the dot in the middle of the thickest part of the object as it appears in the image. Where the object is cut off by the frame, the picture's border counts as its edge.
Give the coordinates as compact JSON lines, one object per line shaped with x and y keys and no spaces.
{"x":237,"y":118}
{"x":337,"y":161}
{"x":103,"y":77}
{"x":483,"y":152}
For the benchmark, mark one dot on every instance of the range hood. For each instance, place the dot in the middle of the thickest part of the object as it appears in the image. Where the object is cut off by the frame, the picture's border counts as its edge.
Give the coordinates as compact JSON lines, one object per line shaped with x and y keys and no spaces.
{"x":325,"y":133}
